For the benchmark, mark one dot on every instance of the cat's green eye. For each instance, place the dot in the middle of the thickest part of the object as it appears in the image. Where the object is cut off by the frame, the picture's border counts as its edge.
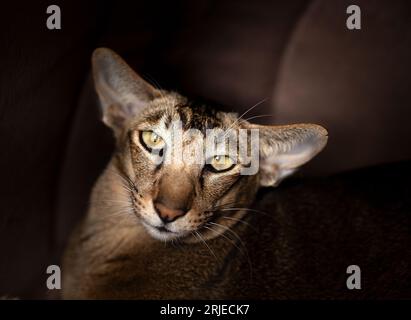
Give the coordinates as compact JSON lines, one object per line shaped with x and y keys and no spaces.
{"x":151,"y":140}
{"x":221,"y":163}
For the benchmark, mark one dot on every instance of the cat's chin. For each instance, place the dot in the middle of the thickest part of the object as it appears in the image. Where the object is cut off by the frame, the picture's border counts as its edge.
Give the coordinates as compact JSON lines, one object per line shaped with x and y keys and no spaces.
{"x":162,"y":233}
{"x":165,"y":234}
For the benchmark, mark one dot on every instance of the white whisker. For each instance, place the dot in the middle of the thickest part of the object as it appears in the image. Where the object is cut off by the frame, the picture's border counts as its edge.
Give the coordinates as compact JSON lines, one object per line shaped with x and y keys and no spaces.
{"x":245,"y":209}
{"x":225,"y":237}
{"x":205,"y":243}
{"x":239,"y":220}
{"x":259,"y":116}
{"x":239,"y":239}
{"x":240,"y":117}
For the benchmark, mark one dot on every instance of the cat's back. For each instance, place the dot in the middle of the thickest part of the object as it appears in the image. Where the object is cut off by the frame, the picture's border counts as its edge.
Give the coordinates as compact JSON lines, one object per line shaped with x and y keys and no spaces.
{"x":309,"y":231}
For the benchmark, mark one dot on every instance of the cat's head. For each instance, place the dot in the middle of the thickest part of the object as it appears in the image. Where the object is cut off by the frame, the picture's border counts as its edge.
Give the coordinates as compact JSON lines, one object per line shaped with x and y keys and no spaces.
{"x":189,"y":171}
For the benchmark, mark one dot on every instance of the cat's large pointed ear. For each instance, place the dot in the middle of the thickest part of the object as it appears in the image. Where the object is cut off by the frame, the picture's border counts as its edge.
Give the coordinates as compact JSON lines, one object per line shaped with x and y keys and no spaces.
{"x":122,"y":93}
{"x":285,"y":148}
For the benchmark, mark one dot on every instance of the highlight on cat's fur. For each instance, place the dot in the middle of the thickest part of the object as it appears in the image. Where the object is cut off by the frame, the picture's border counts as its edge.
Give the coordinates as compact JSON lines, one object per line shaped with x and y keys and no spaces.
{"x":142,"y":194}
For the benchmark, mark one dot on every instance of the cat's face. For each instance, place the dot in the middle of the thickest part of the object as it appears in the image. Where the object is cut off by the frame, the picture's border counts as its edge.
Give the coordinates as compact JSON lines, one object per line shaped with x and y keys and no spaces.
{"x":180,"y":196}
{"x":186,"y":167}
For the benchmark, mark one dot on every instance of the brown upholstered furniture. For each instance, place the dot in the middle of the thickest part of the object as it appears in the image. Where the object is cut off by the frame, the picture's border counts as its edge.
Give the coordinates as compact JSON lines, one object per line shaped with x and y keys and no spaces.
{"x":297,"y":54}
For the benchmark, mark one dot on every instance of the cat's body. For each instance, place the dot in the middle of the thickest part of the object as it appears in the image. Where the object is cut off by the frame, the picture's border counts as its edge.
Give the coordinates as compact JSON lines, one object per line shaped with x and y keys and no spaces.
{"x":167,"y":227}
{"x":300,"y":248}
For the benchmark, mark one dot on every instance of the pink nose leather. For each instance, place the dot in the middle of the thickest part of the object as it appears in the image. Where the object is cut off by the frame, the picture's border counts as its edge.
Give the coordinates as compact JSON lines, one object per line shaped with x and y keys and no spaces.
{"x":167,"y":214}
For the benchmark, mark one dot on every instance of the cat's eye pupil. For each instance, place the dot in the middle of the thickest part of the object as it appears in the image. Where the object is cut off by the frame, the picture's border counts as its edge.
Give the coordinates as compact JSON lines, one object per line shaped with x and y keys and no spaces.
{"x":151,"y":140}
{"x":154,"y":137}
{"x":221,"y":163}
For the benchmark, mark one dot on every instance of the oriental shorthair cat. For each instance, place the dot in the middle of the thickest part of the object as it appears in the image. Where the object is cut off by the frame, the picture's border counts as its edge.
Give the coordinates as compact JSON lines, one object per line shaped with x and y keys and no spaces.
{"x":179,"y":215}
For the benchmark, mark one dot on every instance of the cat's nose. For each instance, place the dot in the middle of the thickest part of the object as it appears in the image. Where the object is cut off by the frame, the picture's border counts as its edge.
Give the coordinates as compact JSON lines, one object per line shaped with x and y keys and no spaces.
{"x":167,"y":214}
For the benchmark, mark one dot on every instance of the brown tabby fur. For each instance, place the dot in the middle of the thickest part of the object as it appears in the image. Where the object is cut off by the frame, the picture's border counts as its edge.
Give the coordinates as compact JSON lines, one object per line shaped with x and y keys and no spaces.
{"x":290,"y":245}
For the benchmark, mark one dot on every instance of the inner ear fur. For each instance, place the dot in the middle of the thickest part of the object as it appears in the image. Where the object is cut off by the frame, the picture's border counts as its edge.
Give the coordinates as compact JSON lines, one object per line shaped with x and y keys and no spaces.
{"x":283,"y":149}
{"x":122,"y":92}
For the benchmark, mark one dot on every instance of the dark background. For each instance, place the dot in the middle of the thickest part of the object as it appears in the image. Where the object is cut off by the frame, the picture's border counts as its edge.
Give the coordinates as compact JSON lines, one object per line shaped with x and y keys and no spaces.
{"x":298,"y":55}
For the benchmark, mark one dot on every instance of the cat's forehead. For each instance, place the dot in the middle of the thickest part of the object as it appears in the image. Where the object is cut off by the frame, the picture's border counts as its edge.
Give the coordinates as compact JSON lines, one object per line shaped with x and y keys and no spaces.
{"x":170,"y":109}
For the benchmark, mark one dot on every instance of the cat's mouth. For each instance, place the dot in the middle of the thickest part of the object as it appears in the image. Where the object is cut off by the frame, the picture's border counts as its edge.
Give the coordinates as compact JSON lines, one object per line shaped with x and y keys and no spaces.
{"x":163,"y":229}
{"x":162,"y":232}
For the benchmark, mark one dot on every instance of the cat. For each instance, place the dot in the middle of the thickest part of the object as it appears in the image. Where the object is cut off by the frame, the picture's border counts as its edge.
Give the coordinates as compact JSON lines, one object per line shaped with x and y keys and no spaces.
{"x":176,"y":229}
